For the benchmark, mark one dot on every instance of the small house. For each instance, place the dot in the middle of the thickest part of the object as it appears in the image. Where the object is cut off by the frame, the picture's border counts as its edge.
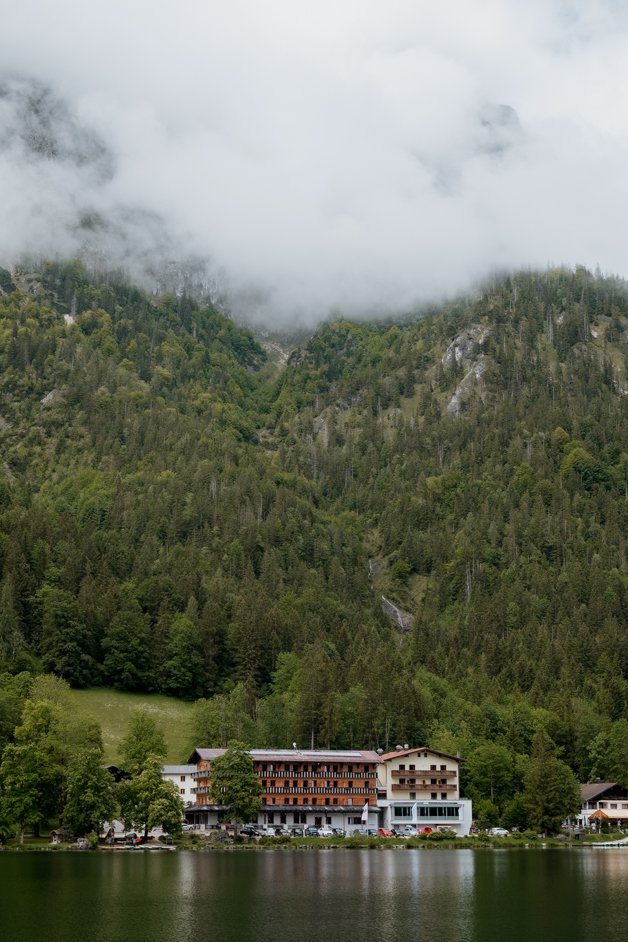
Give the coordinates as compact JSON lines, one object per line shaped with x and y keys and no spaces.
{"x":60,"y":836}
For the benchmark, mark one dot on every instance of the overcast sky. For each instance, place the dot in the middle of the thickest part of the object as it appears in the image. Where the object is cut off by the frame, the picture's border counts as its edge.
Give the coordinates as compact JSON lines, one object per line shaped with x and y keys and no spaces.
{"x":350,"y":156}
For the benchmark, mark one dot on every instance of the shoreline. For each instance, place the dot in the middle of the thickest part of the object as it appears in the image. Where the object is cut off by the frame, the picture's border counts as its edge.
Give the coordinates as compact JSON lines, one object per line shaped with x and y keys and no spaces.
{"x":295,"y":845}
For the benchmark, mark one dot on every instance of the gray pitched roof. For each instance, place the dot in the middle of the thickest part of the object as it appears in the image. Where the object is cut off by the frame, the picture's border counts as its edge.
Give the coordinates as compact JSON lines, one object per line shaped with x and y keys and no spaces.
{"x":592,"y":790}
{"x":294,"y":755}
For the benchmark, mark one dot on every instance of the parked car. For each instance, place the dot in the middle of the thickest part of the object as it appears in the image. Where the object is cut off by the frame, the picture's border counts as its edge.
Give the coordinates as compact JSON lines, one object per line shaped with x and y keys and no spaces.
{"x":325,"y":832}
{"x":385,"y":832}
{"x":281,"y":830}
{"x":409,"y":831}
{"x":187,"y":827}
{"x":311,"y":832}
{"x":498,"y":832}
{"x":339,"y":832}
{"x":275,"y":830}
{"x":250,"y":830}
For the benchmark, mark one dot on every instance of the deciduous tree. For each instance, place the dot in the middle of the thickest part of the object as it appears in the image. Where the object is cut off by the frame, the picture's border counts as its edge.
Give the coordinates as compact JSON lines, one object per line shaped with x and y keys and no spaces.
{"x":235,"y":784}
{"x":143,"y":741}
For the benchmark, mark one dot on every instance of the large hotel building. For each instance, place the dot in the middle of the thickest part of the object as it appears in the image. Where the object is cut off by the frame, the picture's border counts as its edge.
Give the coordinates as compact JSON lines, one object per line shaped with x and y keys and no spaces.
{"x":340,"y":788}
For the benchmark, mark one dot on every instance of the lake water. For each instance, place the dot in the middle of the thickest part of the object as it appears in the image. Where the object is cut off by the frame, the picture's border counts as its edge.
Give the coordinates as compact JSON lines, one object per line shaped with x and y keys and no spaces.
{"x":330,"y":895}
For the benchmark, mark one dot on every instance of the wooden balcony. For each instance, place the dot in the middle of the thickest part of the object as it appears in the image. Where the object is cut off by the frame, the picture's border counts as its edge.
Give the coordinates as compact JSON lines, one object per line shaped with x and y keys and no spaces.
{"x":423,"y":773}
{"x":286,"y":790}
{"x":319,"y":773}
{"x":418,"y":787}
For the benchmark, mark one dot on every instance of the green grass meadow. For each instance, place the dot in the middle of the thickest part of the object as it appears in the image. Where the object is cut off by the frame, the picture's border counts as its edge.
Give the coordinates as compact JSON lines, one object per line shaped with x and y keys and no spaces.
{"x":113,"y":709}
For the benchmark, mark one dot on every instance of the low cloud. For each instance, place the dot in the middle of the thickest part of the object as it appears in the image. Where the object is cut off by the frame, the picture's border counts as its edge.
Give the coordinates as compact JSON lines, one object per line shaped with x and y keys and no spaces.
{"x":354,"y":157}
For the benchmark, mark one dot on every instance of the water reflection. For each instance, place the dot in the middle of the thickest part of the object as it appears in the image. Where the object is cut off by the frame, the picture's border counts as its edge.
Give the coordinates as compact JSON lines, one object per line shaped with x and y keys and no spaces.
{"x":334,"y":895}
{"x":465,"y":896}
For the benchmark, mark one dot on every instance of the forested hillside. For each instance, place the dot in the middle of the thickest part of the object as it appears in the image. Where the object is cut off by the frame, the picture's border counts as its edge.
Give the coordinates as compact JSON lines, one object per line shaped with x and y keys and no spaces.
{"x":177,"y":515}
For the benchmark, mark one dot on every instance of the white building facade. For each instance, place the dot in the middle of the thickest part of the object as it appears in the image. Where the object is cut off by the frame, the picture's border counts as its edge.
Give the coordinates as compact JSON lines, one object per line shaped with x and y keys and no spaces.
{"x":183,"y":777}
{"x":420,"y":787}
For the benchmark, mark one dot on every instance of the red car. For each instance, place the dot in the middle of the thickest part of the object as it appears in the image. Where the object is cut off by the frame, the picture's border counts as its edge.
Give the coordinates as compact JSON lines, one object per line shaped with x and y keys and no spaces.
{"x":384,"y":832}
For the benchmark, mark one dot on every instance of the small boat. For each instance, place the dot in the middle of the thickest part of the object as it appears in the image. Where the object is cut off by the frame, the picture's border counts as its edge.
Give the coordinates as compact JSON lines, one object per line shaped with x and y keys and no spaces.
{"x":622,"y":843}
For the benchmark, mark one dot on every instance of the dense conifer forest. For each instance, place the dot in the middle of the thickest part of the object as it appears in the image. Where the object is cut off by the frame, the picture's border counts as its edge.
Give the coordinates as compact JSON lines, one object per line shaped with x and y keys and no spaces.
{"x":178,"y":514}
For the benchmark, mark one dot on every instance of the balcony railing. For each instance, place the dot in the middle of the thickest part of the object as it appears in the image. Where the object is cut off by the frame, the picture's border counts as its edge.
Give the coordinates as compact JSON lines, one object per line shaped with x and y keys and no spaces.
{"x":424,"y":773}
{"x":285,"y":790}
{"x":418,"y":787}
{"x":318,"y":773}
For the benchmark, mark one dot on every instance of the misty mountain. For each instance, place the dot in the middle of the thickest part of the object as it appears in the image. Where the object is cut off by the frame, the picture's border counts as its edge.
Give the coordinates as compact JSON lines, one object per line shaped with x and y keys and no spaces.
{"x":38,"y":126}
{"x":66,"y":170}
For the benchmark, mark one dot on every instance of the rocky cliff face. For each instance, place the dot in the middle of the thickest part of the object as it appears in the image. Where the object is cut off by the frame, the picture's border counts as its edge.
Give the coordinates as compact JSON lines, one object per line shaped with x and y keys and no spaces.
{"x":465,"y":351}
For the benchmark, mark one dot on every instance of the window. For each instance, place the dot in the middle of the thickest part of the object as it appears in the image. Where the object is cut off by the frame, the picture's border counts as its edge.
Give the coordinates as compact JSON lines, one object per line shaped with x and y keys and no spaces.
{"x":402,"y":811}
{"x":272,"y":801}
{"x":328,"y":819}
{"x":295,"y":817}
{"x":432,"y":768}
{"x":443,"y":796}
{"x":305,"y":783}
{"x":182,"y":778}
{"x":349,"y":769}
{"x":349,"y":784}
{"x":271,"y":818}
{"x":295,"y":784}
{"x":282,"y":817}
{"x":612,"y":806}
{"x":402,"y":781}
{"x":314,"y":801}
{"x":433,"y":781}
{"x":443,"y":768}
{"x":335,"y":801}
{"x":182,"y":791}
{"x":412,"y":794}
{"x":402,"y":768}
{"x":433,"y":796}
{"x":411,"y":768}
